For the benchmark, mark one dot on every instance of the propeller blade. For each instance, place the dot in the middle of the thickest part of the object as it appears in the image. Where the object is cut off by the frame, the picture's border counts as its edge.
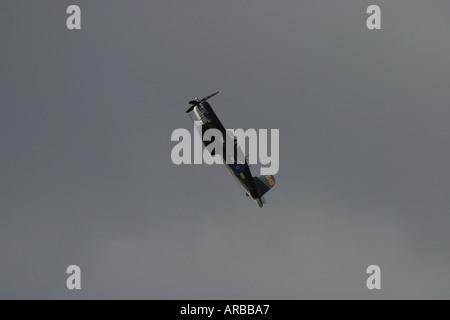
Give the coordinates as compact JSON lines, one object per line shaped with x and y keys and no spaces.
{"x":197,"y":102}
{"x":191,"y":108}
{"x":210,"y":96}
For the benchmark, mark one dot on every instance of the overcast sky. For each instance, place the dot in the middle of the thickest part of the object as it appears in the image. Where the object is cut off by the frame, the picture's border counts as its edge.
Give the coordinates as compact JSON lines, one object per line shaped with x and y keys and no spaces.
{"x":86,"y":176}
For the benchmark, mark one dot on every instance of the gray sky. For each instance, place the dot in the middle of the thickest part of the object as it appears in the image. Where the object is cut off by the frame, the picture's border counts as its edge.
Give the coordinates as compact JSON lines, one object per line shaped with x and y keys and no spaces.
{"x":86,"y":176}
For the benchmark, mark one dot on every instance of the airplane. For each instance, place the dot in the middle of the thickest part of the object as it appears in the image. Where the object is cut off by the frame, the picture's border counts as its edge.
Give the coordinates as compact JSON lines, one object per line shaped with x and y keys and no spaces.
{"x":255,"y":187}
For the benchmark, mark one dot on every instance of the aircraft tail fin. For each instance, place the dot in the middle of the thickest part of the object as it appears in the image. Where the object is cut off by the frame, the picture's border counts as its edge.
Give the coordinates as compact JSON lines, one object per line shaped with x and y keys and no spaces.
{"x":264,"y":183}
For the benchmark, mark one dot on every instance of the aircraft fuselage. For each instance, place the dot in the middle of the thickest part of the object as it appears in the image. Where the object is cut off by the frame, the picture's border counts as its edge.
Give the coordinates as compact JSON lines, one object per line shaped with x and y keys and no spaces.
{"x":209,"y":120}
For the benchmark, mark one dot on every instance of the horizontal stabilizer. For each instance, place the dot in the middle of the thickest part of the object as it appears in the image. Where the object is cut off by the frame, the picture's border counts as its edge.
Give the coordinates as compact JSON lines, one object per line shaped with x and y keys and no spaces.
{"x":264,"y":183}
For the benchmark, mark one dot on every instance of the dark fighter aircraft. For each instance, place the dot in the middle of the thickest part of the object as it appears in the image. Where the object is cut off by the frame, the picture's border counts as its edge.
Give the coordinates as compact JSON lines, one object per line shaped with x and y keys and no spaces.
{"x":255,"y":187}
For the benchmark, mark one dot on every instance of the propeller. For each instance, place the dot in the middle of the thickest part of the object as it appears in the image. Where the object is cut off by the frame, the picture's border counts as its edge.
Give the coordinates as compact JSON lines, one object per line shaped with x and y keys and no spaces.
{"x":196,"y":102}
